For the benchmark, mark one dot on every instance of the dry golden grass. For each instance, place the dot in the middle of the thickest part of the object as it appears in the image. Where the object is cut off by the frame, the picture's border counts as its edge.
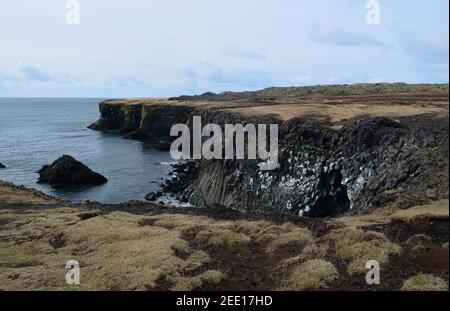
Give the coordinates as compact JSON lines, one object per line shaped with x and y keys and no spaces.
{"x":425,"y":282}
{"x":417,"y":244}
{"x":114,"y":252}
{"x":337,"y":113}
{"x":436,"y":209}
{"x":291,"y":241}
{"x":11,"y":194}
{"x":313,"y":274}
{"x":189,"y":283}
{"x":358,"y":247}
{"x":122,"y":251}
{"x":117,"y":251}
{"x":181,"y":247}
{"x":314,"y":251}
{"x":213,"y":237}
{"x":335,"y":109}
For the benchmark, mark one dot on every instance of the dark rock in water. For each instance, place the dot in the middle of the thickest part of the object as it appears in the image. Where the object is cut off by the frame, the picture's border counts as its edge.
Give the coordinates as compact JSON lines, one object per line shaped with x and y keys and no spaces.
{"x":152,"y":196}
{"x":162,"y":146}
{"x":67,"y":171}
{"x":2,"y":166}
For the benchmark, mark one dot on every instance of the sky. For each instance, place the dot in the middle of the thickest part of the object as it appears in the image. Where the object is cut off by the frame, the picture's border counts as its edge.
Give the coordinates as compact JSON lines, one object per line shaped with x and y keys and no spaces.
{"x":160,"y":48}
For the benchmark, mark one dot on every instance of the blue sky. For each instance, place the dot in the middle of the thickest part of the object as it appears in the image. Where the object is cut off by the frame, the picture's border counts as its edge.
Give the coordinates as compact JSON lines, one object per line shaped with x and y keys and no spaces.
{"x":136,"y":48}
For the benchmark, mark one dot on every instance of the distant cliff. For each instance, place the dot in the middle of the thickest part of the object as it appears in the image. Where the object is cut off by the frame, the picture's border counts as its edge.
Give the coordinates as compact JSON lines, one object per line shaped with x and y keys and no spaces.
{"x":136,"y":120}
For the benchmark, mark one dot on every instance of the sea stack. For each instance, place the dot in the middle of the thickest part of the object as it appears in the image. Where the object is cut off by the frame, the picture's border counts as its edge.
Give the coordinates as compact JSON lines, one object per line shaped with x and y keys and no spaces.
{"x":66,"y":171}
{"x":2,"y":166}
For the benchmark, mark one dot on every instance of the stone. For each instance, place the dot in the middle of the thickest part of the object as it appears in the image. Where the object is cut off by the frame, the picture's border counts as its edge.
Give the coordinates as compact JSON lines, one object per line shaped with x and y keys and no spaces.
{"x":67,"y":171}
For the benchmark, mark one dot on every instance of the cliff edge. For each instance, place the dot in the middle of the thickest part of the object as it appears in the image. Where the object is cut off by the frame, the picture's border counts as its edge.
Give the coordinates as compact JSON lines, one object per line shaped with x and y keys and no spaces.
{"x":337,"y":153}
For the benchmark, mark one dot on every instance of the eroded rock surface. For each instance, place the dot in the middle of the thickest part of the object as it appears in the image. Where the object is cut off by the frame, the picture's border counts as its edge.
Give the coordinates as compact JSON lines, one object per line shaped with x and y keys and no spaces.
{"x":332,"y":162}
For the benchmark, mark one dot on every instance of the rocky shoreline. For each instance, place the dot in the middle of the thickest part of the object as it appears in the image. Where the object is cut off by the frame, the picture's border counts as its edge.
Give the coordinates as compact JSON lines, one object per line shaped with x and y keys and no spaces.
{"x":375,"y":185}
{"x":326,"y":168}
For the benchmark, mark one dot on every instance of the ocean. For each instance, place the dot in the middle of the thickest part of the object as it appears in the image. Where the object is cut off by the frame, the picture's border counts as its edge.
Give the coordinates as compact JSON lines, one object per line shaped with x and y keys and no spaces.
{"x":36,"y":131}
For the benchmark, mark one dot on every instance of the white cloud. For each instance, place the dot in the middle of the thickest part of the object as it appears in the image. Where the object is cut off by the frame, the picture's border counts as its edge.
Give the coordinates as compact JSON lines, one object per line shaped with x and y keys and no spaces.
{"x":333,"y":33}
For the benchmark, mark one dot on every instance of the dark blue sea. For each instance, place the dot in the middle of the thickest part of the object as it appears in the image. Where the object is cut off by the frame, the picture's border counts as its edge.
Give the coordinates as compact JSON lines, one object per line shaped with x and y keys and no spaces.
{"x":36,"y":131}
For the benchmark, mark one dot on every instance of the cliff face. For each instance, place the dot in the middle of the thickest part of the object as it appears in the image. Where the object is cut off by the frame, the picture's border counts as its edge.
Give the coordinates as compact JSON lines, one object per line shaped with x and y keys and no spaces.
{"x":139,"y":121}
{"x":367,"y":162}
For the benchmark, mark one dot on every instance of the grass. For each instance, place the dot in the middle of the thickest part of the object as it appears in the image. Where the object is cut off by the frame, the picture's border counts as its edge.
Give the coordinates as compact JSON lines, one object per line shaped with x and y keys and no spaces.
{"x":424,"y":282}
{"x":209,"y":277}
{"x":17,"y":259}
{"x":433,"y":210}
{"x":220,"y":237}
{"x":123,"y":251}
{"x":12,"y":194}
{"x":181,"y":247}
{"x":197,"y":259}
{"x":335,"y":90}
{"x":358,"y":247}
{"x":314,"y":274}
{"x":292,"y":241}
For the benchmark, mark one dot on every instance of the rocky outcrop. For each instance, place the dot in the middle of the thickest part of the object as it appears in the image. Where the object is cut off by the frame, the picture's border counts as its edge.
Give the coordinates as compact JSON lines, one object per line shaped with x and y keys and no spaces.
{"x":366,"y":163}
{"x":67,"y":171}
{"x":138,"y":121}
{"x":2,"y":166}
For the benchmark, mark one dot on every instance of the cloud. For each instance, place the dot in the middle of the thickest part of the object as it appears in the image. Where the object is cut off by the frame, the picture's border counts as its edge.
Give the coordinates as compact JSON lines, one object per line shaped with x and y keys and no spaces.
{"x":5,"y":76}
{"x":34,"y":73}
{"x":237,"y":52}
{"x":426,"y":48}
{"x":332,"y":33}
{"x":213,"y":74}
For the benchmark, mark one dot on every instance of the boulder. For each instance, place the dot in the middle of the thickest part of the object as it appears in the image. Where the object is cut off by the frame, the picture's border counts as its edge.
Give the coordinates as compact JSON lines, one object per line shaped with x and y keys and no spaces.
{"x":67,"y":171}
{"x":2,"y":166}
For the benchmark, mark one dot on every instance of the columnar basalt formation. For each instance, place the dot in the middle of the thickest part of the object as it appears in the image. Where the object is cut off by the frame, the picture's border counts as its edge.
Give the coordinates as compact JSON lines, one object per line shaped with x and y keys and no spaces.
{"x":355,"y":158}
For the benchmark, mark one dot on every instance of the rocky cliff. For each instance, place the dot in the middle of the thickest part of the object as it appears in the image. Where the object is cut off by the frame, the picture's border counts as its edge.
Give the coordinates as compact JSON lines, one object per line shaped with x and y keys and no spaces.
{"x":136,"y":120}
{"x":327,"y":167}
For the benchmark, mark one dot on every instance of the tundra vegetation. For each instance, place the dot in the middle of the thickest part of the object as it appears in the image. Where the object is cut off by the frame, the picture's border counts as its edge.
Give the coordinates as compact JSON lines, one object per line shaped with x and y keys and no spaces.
{"x":366,"y":163}
{"x":156,"y":248}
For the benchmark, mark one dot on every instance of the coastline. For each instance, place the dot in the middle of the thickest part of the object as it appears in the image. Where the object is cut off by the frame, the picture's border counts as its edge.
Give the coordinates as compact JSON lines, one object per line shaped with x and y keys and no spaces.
{"x":398,"y":217}
{"x":360,"y":152}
